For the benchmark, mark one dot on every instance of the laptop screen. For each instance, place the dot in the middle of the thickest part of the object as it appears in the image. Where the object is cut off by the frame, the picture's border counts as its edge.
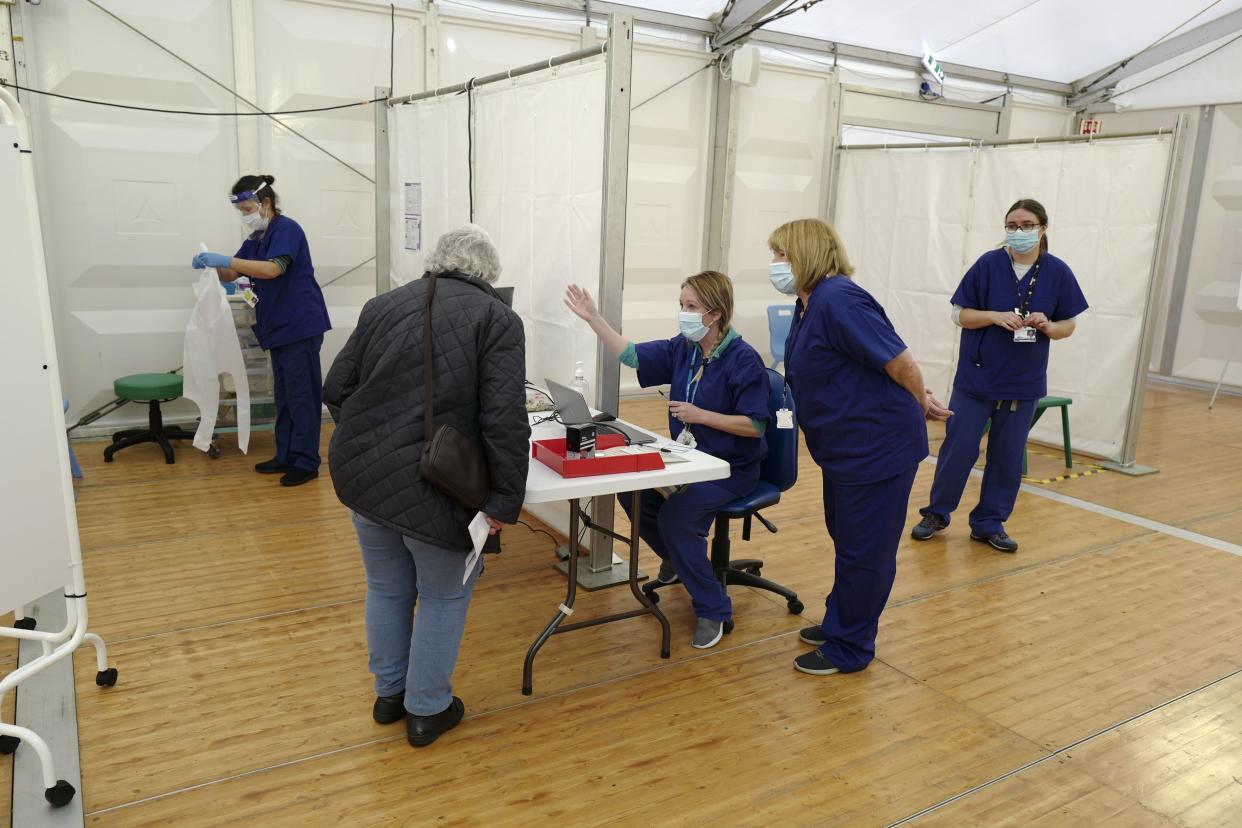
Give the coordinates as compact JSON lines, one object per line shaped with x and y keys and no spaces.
{"x":506,"y":295}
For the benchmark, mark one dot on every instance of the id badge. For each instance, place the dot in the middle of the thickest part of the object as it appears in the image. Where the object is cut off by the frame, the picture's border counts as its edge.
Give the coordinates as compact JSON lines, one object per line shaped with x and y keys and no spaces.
{"x":686,"y":438}
{"x":1024,"y":335}
{"x":250,"y":297}
{"x":784,"y":418}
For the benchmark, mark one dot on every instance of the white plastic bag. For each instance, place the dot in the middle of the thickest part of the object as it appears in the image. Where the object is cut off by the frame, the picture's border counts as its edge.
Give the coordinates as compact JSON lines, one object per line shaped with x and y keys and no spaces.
{"x":211,"y":349}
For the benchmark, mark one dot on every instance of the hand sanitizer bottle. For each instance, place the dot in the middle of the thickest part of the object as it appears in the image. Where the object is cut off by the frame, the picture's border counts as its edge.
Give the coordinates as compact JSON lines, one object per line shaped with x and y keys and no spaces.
{"x":579,"y":382}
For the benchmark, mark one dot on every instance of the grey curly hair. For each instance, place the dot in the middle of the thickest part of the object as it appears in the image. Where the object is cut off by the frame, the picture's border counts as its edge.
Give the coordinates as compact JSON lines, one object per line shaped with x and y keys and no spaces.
{"x":467,"y":249}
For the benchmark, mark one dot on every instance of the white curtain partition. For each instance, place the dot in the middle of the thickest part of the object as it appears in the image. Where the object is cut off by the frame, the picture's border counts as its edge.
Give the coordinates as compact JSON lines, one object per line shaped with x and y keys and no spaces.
{"x":538,"y":185}
{"x":913,"y":221}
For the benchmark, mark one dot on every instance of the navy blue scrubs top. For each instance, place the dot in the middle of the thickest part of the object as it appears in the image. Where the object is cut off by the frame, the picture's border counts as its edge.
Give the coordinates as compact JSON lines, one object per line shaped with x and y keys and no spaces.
{"x":860,"y":425}
{"x":734,"y":381}
{"x":990,"y":365}
{"x":291,"y":306}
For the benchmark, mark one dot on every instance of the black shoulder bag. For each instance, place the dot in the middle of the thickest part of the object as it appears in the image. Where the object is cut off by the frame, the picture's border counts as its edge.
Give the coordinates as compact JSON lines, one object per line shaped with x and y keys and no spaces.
{"x":452,"y":460}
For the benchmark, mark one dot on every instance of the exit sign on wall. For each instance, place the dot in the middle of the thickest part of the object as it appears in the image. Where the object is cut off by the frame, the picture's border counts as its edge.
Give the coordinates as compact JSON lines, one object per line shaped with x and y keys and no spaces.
{"x":1090,"y":126}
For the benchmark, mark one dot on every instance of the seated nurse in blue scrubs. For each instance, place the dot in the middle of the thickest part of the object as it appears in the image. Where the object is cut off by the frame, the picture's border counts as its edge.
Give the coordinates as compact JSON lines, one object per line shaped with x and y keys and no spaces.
{"x":1010,"y":305}
{"x":861,"y":406}
{"x":290,"y":321}
{"x":718,"y":403}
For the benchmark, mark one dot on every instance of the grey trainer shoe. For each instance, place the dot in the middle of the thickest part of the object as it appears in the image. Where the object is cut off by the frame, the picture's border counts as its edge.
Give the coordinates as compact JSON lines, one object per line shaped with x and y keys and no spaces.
{"x":708,"y":633}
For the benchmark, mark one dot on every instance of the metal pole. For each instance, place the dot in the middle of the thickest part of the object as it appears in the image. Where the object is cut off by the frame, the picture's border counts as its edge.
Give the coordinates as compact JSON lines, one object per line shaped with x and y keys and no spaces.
{"x":1059,"y":139}
{"x":560,"y":60}
{"x":383,"y":204}
{"x":828,"y":189}
{"x":605,"y":568}
{"x":723,"y":169}
{"x":1155,"y":280}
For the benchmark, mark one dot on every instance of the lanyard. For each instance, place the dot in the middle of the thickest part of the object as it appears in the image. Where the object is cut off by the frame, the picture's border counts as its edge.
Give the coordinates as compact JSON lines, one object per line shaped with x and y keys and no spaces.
{"x":1024,"y":305}
{"x":692,"y":381}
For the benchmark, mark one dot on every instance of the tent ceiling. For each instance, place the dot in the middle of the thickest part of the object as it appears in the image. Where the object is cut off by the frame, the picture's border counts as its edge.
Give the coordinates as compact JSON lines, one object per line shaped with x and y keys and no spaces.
{"x":1059,"y":40}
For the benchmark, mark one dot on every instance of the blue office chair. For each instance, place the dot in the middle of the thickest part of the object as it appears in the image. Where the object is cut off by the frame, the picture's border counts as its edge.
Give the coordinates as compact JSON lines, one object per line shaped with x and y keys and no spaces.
{"x":780,"y":318}
{"x":777,"y":474}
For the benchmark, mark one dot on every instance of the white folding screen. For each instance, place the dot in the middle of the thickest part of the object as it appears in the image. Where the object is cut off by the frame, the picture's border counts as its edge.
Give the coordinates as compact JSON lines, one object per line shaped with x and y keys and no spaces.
{"x":914,"y":220}
{"x":538,"y":184}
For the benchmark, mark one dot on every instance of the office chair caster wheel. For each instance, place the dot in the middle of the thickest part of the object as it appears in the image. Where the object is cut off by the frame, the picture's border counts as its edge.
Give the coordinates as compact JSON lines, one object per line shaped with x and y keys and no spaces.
{"x":796,"y":607}
{"x":106,"y":678}
{"x":9,"y":745}
{"x":213,"y":451}
{"x":60,"y":795}
{"x":26,"y":623}
{"x":653,"y":597}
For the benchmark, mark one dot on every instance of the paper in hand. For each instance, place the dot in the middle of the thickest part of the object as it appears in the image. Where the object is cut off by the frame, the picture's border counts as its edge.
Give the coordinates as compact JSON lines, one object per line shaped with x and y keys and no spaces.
{"x":479,"y":530}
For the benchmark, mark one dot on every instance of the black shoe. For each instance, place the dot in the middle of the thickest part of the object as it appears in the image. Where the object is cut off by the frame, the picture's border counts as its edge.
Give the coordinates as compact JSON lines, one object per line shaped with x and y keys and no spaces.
{"x":423,"y":730}
{"x":1000,"y":541}
{"x":389,"y":709}
{"x":815,"y":663}
{"x":813,"y":636}
{"x":296,"y":477}
{"x":927,"y":528}
{"x":272,"y":466}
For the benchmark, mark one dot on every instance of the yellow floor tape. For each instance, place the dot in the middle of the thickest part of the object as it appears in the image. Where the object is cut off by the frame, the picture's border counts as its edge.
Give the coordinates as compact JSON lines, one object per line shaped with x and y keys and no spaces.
{"x":1090,"y":470}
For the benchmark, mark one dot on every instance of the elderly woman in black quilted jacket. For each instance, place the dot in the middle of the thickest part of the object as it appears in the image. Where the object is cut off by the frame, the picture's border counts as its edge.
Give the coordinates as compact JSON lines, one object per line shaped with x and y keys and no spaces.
{"x":414,"y":538}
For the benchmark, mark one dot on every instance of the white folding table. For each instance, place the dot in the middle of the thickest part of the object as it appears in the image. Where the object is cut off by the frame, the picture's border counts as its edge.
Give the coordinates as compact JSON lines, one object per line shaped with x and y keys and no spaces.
{"x":543,"y":485}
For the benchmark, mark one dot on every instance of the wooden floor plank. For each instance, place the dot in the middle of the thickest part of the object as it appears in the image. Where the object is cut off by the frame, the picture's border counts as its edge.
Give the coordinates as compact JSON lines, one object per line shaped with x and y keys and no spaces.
{"x":1055,"y":793}
{"x":1179,"y":765}
{"x":252,"y":694}
{"x":699,"y":743}
{"x":8,"y":662}
{"x":1064,"y":650}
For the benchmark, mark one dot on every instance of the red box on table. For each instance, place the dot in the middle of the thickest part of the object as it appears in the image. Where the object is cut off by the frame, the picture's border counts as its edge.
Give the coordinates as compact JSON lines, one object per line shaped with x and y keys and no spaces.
{"x":552,"y":454}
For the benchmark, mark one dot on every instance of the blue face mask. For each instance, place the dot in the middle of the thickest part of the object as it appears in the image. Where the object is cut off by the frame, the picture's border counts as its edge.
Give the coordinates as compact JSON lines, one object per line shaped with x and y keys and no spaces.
{"x":1022,"y":242}
{"x":782,"y":277}
{"x":692,"y":327}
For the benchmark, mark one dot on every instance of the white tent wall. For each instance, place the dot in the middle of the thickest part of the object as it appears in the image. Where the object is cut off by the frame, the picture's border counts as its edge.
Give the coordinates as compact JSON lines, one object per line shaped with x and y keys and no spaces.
{"x":669,"y":156}
{"x":128,"y":196}
{"x":538,"y":184}
{"x":1210,"y":329}
{"x":915,"y":228}
{"x":784,"y":150}
{"x":1032,"y":121}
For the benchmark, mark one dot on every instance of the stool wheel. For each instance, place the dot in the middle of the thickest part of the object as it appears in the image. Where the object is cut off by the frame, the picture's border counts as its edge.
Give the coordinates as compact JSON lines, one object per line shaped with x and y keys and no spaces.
{"x":652,"y":596}
{"x":106,"y":678}
{"x":213,"y":451}
{"x":796,"y":607}
{"x":26,"y":623}
{"x":60,"y":795}
{"x":8,"y":745}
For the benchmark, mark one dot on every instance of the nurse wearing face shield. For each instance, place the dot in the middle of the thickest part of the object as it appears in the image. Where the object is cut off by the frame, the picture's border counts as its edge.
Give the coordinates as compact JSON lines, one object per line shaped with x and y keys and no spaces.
{"x":291,"y":319}
{"x":1010,"y":305}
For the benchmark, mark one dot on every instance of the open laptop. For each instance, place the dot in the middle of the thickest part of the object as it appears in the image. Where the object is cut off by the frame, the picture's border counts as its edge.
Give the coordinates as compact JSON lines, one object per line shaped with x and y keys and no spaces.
{"x":573,"y":410}
{"x":506,"y":295}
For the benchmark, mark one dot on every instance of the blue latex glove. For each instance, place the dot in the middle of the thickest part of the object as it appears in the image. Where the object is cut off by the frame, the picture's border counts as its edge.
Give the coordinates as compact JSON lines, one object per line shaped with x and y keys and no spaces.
{"x":216,"y":260}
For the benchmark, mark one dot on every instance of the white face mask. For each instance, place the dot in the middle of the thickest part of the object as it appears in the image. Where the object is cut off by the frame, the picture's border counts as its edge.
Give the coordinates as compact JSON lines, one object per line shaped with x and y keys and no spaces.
{"x":255,"y":222}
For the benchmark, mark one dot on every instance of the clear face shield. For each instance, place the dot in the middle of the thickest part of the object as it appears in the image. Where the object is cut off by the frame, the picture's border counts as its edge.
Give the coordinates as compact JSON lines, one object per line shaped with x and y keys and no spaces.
{"x":250,"y":204}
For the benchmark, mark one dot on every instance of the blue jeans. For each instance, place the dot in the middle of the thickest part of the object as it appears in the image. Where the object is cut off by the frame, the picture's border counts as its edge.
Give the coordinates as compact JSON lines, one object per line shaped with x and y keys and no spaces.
{"x":676,"y":530}
{"x":416,"y":656}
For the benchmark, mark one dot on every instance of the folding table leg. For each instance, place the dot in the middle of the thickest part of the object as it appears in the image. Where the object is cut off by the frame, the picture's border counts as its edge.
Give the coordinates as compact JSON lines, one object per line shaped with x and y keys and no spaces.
{"x":562,"y":613}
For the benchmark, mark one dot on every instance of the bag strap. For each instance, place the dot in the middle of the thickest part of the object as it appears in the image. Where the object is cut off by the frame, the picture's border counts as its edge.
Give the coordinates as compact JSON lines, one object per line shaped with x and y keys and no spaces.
{"x":428,"y":366}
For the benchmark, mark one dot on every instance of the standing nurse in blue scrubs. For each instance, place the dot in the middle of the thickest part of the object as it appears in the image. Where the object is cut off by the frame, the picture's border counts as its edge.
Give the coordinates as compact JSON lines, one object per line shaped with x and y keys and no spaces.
{"x":861,"y":405}
{"x":291,"y":319}
{"x":1010,"y":305}
{"x":718,"y":404}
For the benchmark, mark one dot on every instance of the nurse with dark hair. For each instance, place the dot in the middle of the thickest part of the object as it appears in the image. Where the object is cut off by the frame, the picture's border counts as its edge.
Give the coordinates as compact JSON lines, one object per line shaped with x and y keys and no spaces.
{"x":1011,"y":304}
{"x":291,"y":319}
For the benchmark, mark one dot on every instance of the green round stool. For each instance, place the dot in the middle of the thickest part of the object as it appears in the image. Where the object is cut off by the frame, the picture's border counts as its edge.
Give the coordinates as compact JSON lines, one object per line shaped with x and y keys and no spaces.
{"x":151,"y":389}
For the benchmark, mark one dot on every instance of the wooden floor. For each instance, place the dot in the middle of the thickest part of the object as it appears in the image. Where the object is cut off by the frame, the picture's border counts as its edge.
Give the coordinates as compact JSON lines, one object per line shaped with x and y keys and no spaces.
{"x":1093,"y":678}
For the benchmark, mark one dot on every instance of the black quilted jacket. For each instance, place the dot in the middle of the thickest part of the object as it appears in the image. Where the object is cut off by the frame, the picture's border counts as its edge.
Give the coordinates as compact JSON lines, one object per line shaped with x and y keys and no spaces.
{"x":374,"y":391}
